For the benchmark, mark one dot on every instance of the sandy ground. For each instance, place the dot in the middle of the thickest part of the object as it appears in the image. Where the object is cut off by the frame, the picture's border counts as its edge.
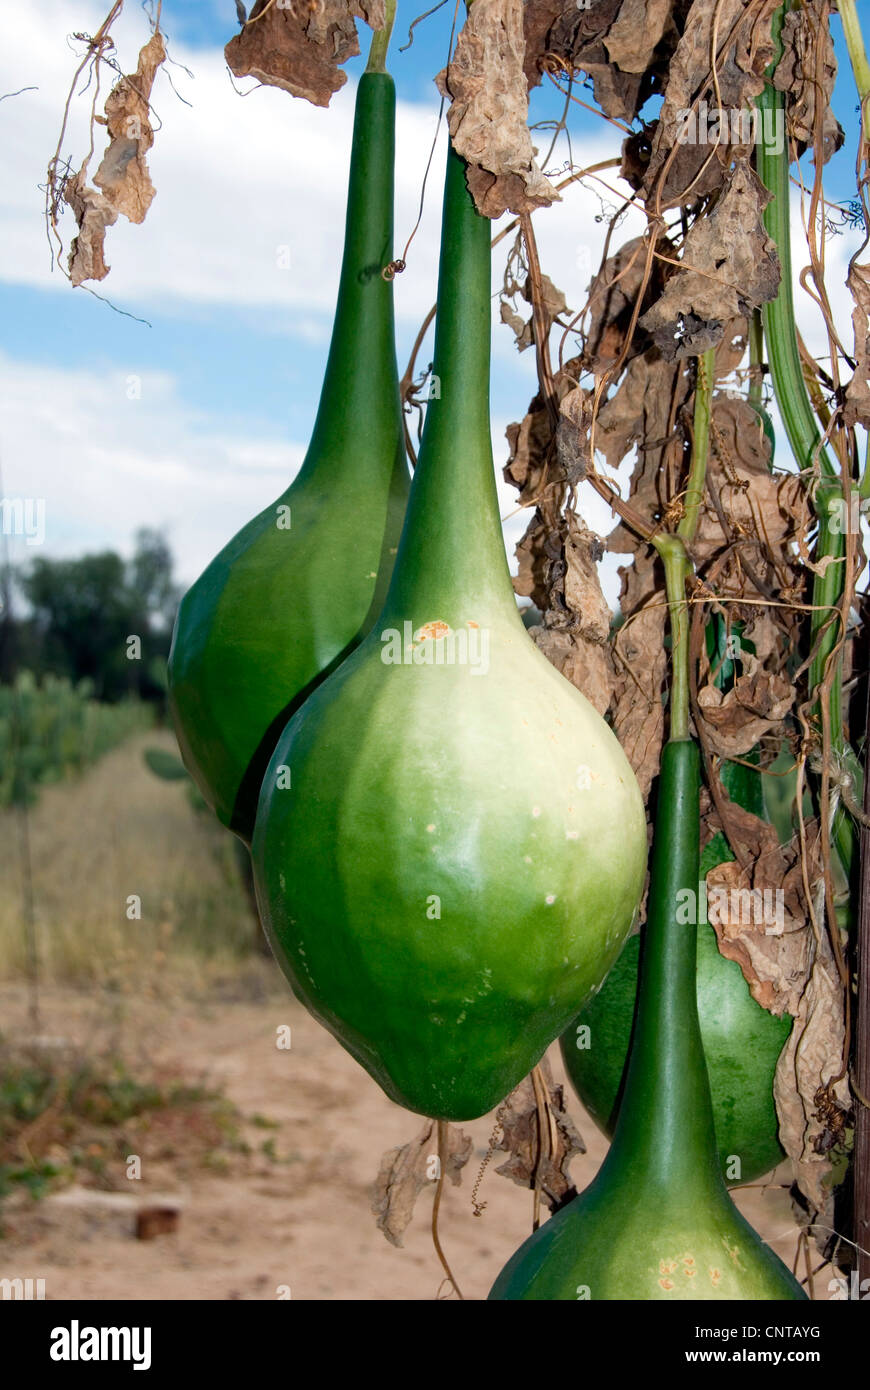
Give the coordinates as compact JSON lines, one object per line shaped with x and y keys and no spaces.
{"x":302,"y":1222}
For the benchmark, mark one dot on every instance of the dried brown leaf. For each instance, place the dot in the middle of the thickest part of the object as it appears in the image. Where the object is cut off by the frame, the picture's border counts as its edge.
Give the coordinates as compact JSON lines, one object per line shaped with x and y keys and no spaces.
{"x":730,"y":268}
{"x":123,"y":183}
{"x":123,"y":173}
{"x":857,"y":406}
{"x":536,"y":1158}
{"x":407,"y":1169}
{"x":552,"y":303}
{"x":744,"y":50}
{"x":804,"y":79}
{"x":565,"y":37}
{"x":810,"y":1122}
{"x":750,"y":516}
{"x":736,"y":720}
{"x":300,"y":48}
{"x":767,"y":933}
{"x":575,"y":635}
{"x":636,"y":33}
{"x":489,"y":111}
{"x":640,"y":662}
{"x":585,"y":664}
{"x":94,"y":214}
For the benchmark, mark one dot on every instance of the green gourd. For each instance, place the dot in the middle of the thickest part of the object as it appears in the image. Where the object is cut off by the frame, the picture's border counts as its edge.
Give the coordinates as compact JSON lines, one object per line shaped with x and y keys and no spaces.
{"x":742,"y":1041}
{"x":657,"y":1221}
{"x":295,"y":591}
{"x":450,"y":845}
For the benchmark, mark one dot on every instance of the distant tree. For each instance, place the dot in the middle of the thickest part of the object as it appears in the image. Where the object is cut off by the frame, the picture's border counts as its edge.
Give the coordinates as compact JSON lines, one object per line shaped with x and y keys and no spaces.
{"x":85,"y":610}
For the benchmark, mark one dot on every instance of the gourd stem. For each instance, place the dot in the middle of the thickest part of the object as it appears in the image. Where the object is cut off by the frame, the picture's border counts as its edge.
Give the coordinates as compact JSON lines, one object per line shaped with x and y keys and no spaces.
{"x":793,"y":400}
{"x":677,"y":571}
{"x":700,"y":445}
{"x":857,"y":56}
{"x":381,"y":40}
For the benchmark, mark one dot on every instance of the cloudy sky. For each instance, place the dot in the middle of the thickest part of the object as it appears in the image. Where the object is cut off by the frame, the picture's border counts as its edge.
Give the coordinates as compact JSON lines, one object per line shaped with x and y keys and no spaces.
{"x":235,"y":271}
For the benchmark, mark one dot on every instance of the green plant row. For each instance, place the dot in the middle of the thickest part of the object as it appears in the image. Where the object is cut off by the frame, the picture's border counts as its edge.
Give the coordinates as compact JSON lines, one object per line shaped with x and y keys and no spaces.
{"x":54,"y":729}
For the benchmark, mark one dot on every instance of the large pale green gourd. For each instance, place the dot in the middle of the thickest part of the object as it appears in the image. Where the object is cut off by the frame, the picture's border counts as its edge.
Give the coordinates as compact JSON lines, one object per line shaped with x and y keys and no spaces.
{"x":657,"y":1221}
{"x":450,"y":844}
{"x":294,"y":592}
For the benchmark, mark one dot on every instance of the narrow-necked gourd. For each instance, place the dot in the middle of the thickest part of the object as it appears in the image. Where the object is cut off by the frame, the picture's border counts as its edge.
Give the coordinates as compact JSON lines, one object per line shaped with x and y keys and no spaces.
{"x":450,"y":844}
{"x":295,"y":591}
{"x":657,"y":1221}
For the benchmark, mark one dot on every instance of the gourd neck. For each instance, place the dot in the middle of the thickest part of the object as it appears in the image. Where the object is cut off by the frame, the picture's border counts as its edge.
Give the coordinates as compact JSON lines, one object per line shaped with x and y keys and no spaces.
{"x":452,"y":553}
{"x":665,"y":1129}
{"x":360,"y":393}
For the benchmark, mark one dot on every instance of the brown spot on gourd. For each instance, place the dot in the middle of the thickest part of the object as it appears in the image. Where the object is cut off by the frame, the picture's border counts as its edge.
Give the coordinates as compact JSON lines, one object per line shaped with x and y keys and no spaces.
{"x":715,"y":1276}
{"x":667,"y":1284}
{"x":431,"y":631}
{"x":470,"y":624}
{"x":667,"y":1266}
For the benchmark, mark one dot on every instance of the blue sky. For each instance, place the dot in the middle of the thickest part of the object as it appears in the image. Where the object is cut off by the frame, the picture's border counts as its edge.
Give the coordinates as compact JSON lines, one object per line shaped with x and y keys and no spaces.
{"x":229,"y":369}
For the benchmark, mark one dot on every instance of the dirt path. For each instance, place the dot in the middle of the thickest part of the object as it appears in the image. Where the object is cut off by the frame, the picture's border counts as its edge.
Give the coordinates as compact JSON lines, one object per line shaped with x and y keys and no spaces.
{"x":302,"y":1221}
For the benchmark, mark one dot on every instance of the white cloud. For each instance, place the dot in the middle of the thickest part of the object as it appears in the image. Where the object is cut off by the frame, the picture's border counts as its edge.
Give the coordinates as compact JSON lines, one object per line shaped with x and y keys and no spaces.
{"x":106,"y":464}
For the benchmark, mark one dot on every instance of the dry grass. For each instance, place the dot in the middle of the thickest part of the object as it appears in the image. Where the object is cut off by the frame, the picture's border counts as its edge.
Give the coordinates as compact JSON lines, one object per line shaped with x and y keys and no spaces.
{"x":96,"y":842}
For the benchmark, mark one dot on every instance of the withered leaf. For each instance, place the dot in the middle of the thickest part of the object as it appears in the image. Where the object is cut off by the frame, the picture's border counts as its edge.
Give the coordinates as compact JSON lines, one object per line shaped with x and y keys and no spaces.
{"x":407,"y":1169}
{"x":123,"y":176}
{"x":804,"y":79}
{"x":539,"y":1159}
{"x":123,"y":173}
{"x":585,"y":664}
{"x":768,"y":931}
{"x":489,"y":110}
{"x":553,"y":305}
{"x":563,"y":36}
{"x":93,"y":213}
{"x":730,"y":268}
{"x":737,"y":719}
{"x":633,"y":38}
{"x":300,"y":48}
{"x":751,"y":518}
{"x":857,"y":406}
{"x":812,"y":1057}
{"x":612,"y":298}
{"x":575,"y":635}
{"x":744,"y":49}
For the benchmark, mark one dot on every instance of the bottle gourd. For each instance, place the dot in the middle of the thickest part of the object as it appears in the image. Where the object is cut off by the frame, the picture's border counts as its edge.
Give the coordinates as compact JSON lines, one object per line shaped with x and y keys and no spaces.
{"x":294,"y":592}
{"x":461,"y":848}
{"x":657,"y":1221}
{"x":742,"y":1041}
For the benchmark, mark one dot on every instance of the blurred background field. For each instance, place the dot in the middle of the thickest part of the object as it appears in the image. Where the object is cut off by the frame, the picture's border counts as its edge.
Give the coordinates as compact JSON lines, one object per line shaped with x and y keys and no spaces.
{"x":98,"y":840}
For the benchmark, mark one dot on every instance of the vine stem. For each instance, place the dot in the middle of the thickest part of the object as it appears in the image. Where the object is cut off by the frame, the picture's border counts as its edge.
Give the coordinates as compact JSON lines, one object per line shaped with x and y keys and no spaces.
{"x":381,"y":40}
{"x":673,"y":552}
{"x":861,"y":1082}
{"x":857,"y":56}
{"x":677,"y":571}
{"x":436,"y":1206}
{"x":700,"y":445}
